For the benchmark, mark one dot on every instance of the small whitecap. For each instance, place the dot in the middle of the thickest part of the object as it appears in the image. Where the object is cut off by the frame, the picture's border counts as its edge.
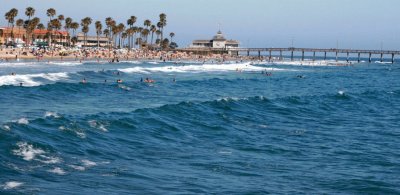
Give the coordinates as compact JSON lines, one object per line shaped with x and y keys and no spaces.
{"x":27,"y":151}
{"x":58,"y":171}
{"x":81,"y":135}
{"x":102,"y":128}
{"x":51,"y":114}
{"x":88,"y":163}
{"x":76,"y":167}
{"x":341,"y":92}
{"x":62,"y":128}
{"x":92,"y":123}
{"x":49,"y":160}
{"x":23,"y":121}
{"x":12,"y":184}
{"x":6,"y":128}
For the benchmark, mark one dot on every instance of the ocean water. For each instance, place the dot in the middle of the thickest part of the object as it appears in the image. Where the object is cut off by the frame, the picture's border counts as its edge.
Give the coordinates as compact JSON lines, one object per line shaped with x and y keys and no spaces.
{"x":218,"y":129}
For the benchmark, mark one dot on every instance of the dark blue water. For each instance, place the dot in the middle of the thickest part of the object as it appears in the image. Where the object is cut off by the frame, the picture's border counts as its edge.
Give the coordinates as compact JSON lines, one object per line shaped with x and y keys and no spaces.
{"x":305,"y":129}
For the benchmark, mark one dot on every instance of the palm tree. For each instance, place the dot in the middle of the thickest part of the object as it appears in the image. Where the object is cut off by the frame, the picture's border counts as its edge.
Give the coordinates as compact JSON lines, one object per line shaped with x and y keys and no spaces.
{"x":41,"y":26}
{"x":158,"y":40}
{"x":121,"y":28}
{"x":124,"y":35}
{"x":165,"y":43}
{"x":50,"y":13}
{"x":85,"y":22}
{"x":153,"y":29}
{"x":147,"y":23}
{"x":74,"y":27}
{"x":61,"y":18}
{"x":162,"y":24}
{"x":145,"y":33}
{"x":30,"y":12}
{"x":110,"y":23}
{"x":135,"y":30}
{"x":32,"y":24}
{"x":172,"y":35}
{"x":19,"y":23}
{"x":85,"y":30}
{"x":99,"y":27}
{"x":68,"y":22}
{"x":10,"y":17}
{"x":55,"y":24}
{"x":131,"y":21}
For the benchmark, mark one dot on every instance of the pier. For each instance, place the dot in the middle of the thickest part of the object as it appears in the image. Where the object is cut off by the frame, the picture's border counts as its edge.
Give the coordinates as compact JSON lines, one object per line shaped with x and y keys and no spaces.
{"x":291,"y":51}
{"x":314,"y":51}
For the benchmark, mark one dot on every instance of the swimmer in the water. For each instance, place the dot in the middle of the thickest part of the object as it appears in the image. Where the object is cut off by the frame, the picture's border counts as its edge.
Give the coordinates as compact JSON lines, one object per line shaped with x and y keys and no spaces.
{"x":174,"y":80}
{"x":141,"y":79}
{"x":119,"y":81}
{"x":84,"y":80}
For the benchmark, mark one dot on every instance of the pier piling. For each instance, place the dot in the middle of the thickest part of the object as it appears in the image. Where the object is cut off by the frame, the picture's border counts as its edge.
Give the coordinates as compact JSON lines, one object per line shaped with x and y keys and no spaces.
{"x":270,"y":55}
{"x":313,"y":57}
{"x":381,"y":57}
{"x":392,"y":58}
{"x":325,"y":56}
{"x":302,"y":55}
{"x":336,"y":56}
{"x":291,"y":57}
{"x":347,"y":57}
{"x":359,"y":57}
{"x":370,"y":58}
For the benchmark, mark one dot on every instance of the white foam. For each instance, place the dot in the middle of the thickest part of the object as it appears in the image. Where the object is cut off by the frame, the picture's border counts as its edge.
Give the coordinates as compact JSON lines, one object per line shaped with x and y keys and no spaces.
{"x":23,"y":121}
{"x":88,"y":163}
{"x":27,"y":151}
{"x":153,"y":63}
{"x":6,"y":128}
{"x":66,"y":63}
{"x":49,"y":160}
{"x":97,"y":125}
{"x":198,"y":68}
{"x":76,"y":167}
{"x":29,"y":80}
{"x":58,"y":171}
{"x":12,"y":184}
{"x":62,"y":128}
{"x":81,"y":134}
{"x":51,"y":114}
{"x":341,"y":92}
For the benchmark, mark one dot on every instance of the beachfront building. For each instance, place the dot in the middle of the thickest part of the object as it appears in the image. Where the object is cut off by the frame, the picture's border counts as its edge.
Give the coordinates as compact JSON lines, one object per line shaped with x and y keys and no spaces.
{"x":218,"y":42}
{"x":19,"y":37}
{"x":91,"y":41}
{"x":9,"y":35}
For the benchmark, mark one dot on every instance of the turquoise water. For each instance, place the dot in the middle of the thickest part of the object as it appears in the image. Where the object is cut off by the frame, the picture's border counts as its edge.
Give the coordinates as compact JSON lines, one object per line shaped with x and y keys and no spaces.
{"x":304,"y":129}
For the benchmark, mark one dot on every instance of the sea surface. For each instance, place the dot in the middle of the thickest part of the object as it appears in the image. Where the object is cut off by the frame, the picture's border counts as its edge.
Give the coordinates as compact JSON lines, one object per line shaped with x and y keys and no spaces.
{"x":200,"y":128}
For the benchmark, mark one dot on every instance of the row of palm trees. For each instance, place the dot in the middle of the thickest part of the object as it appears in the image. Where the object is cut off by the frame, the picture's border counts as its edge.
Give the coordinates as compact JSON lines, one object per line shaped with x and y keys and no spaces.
{"x":118,"y":34}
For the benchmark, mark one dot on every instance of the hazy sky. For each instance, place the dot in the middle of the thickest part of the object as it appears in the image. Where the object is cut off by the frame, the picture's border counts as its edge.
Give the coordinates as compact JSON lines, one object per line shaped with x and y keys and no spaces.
{"x":257,"y":23}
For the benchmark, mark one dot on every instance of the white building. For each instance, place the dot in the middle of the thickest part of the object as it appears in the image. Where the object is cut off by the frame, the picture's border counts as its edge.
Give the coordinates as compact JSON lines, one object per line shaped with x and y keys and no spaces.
{"x":218,"y":41}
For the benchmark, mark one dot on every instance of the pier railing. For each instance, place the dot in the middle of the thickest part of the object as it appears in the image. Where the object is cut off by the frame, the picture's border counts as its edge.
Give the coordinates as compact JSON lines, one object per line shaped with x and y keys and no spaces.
{"x":261,"y":52}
